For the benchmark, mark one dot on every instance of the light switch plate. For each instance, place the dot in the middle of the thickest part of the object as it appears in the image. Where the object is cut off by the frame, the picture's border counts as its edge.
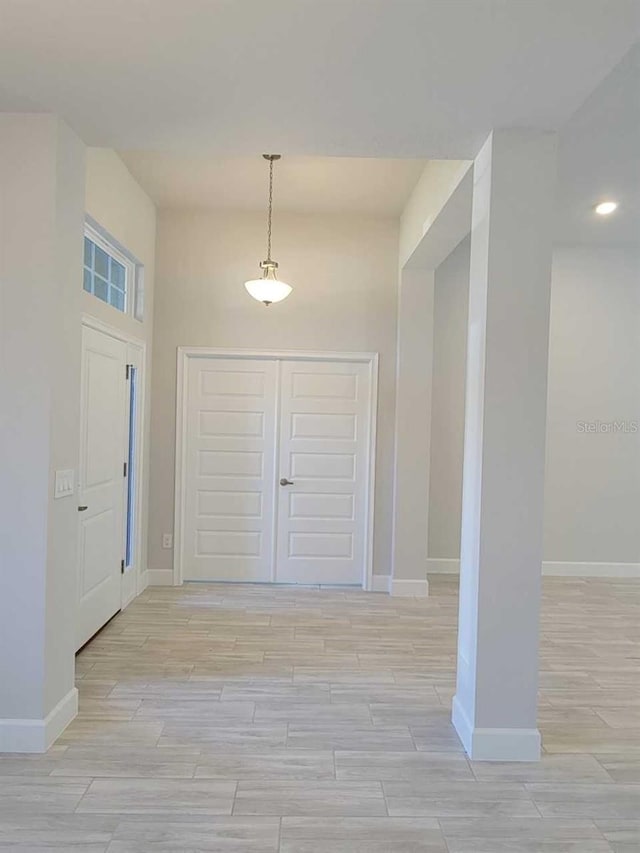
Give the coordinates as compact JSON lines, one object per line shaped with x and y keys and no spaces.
{"x":64,"y":483}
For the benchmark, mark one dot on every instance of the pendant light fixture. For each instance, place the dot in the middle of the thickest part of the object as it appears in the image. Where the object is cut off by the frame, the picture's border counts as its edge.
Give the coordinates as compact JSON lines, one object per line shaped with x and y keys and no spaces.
{"x":269,"y":288}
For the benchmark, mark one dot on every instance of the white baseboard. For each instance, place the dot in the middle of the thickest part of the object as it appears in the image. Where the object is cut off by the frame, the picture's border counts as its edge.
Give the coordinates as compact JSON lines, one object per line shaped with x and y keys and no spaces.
{"x":592,"y":570}
{"x":400,"y":588}
{"x":143,"y":581}
{"x":38,"y":735}
{"x":443,"y":566}
{"x":409,"y":588}
{"x":133,"y":594}
{"x":159,"y":577}
{"x":450,"y":566}
{"x":128,"y":601}
{"x":495,"y":744}
{"x":381,"y":583}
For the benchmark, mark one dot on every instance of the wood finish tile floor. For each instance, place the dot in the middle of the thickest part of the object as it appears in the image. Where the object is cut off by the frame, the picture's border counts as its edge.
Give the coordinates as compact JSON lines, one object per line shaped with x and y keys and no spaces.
{"x":253,"y":718}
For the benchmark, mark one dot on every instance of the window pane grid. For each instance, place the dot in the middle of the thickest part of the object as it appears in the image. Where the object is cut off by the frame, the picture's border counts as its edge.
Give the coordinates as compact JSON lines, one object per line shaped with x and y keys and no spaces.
{"x":104,"y":276}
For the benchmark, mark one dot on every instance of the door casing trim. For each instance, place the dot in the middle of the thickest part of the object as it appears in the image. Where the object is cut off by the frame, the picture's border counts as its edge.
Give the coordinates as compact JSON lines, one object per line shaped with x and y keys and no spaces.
{"x":186,"y":353}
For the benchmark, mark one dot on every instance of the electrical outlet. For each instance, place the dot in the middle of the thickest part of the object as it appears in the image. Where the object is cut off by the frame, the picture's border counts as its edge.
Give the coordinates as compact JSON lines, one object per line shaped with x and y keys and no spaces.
{"x":167,"y":540}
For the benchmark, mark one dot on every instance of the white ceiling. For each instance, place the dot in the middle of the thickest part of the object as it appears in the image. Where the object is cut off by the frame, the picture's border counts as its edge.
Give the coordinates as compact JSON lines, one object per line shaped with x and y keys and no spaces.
{"x":599,"y":159}
{"x":194,"y":91}
{"x":365,"y":78}
{"x":301,"y":184}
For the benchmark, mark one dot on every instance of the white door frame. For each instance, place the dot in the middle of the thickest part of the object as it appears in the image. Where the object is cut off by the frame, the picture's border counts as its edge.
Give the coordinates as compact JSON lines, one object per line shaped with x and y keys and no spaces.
{"x":186,"y":353}
{"x":132,"y":581}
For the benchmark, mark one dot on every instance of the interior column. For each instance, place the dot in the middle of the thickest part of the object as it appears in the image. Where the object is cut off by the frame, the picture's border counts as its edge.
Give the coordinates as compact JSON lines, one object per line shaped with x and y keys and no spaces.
{"x":41,"y":227}
{"x":413,"y":426}
{"x":494,"y":710}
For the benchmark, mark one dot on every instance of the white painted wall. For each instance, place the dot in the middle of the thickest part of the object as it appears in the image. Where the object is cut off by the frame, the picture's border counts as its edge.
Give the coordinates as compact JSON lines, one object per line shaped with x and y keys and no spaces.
{"x":413,"y":407}
{"x":592,"y":496}
{"x":41,"y":216}
{"x":344,"y":273}
{"x":592,"y":492}
{"x":451,"y":302}
{"x":118,"y":204}
{"x":431,"y":193}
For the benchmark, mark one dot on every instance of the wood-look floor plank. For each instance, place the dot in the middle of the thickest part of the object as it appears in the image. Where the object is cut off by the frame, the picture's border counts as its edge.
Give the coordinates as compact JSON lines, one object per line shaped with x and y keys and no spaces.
{"x":236,"y":834}
{"x":361,"y":835}
{"x":158,"y":796}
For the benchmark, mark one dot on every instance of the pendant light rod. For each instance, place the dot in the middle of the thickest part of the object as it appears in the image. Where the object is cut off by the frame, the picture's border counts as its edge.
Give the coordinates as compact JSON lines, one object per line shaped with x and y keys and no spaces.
{"x":271,"y":158}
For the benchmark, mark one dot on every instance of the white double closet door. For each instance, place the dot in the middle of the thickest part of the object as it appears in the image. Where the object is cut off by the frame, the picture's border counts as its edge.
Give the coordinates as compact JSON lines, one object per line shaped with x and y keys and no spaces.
{"x":276,"y":470}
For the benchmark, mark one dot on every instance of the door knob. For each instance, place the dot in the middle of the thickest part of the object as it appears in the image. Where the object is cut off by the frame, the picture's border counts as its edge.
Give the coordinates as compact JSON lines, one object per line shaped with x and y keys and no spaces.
{"x":285,"y":482}
{"x":82,"y":508}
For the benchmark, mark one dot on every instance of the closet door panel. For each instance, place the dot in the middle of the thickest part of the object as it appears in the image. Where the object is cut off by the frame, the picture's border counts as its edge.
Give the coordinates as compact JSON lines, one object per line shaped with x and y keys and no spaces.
{"x":230,"y":469}
{"x":323,"y":444}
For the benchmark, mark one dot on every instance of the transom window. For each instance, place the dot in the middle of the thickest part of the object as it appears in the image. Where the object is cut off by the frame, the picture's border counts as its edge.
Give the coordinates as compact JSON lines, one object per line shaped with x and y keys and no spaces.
{"x":109,"y":274}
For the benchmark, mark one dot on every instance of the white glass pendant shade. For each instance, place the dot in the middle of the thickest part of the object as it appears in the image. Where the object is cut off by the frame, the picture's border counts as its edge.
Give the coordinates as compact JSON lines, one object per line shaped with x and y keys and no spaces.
{"x":268,"y":289}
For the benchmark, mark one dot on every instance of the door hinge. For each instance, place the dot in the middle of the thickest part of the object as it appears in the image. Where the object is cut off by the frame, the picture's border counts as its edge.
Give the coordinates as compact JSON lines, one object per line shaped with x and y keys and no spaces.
{"x":128,"y":370}
{"x":124,"y":469}
{"x":121,"y":567}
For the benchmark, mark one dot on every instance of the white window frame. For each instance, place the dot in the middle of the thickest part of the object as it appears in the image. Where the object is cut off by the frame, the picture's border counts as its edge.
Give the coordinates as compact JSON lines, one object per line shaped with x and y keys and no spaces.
{"x":133,"y":271}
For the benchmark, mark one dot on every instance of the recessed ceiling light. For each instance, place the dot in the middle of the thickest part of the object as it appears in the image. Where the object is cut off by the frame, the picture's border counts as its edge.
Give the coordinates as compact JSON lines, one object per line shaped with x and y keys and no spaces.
{"x":606,"y":207}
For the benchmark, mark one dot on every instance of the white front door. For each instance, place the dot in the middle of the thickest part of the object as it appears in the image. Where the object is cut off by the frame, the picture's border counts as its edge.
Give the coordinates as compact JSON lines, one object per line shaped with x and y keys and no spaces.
{"x":324,"y":441}
{"x":101,"y":494}
{"x":276,"y":470}
{"x":230,"y":469}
